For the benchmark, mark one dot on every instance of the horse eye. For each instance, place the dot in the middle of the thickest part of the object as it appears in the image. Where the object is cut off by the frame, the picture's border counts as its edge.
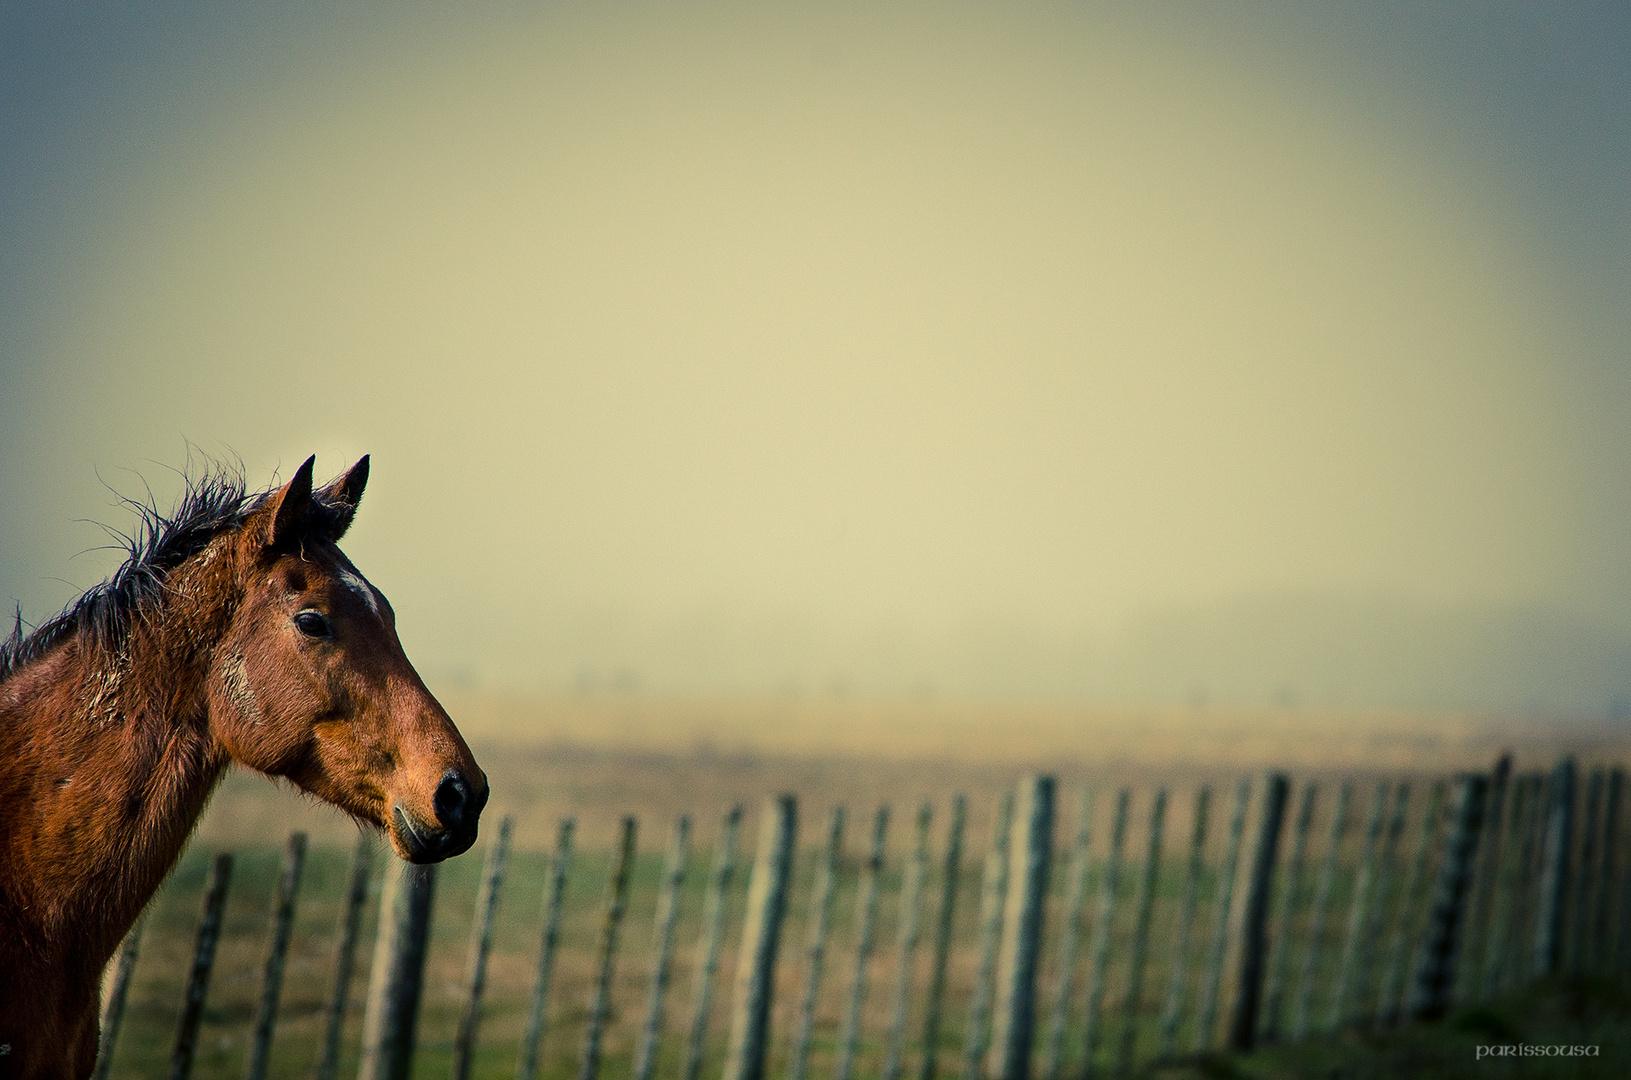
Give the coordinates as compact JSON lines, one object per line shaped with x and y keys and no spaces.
{"x":311,"y":624}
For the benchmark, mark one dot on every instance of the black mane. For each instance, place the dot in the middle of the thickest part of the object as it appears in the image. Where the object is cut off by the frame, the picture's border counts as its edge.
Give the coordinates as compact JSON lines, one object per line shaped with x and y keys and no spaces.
{"x":216,"y":503}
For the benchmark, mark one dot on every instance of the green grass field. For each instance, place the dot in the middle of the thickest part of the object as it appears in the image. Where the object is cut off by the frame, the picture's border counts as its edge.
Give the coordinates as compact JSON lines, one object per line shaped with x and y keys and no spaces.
{"x":538,"y":777}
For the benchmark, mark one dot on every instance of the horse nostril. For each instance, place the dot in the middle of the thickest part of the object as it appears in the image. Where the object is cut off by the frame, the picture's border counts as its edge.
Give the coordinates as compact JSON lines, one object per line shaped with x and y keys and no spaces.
{"x":452,"y":798}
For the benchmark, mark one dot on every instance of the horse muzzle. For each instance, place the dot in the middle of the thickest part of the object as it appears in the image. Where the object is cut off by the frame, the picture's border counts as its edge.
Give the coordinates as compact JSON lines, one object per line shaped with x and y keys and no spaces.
{"x":458,"y":805}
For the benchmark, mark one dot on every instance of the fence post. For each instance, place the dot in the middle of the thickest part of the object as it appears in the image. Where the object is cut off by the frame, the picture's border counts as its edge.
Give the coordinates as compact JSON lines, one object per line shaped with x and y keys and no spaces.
{"x":1243,"y":1034}
{"x":993,"y":893}
{"x":815,"y":949}
{"x":1358,"y":936}
{"x":397,"y":980}
{"x":1554,"y":870}
{"x":1290,"y":894}
{"x":1533,"y":858}
{"x":1509,"y":873}
{"x":1435,"y":973}
{"x":198,"y":981}
{"x":1602,"y":949}
{"x":1071,"y":935}
{"x":1141,"y":934}
{"x":294,"y":859}
{"x":345,"y":962}
{"x":1206,"y":1017}
{"x":1377,"y":923}
{"x":1618,"y":954}
{"x":761,"y":934}
{"x":617,"y":898}
{"x":1388,"y":1000}
{"x":1322,"y":906}
{"x":481,"y":941}
{"x":668,"y":913}
{"x":1029,"y":852}
{"x":1103,"y":929}
{"x":1585,"y":875}
{"x":113,"y":1005}
{"x":1186,"y":915}
{"x":549,"y":942}
{"x":866,"y":915}
{"x":949,"y":873}
{"x":1486,"y":877}
{"x":911,"y":893}
{"x":715,"y":906}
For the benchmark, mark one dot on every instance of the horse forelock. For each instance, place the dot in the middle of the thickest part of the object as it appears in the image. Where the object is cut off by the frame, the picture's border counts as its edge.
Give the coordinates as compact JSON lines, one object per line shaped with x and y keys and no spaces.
{"x":211,"y":506}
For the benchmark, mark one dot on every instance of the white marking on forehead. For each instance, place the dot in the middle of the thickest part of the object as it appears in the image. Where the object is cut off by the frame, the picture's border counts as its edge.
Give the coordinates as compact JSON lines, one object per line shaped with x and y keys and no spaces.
{"x":356,"y":584}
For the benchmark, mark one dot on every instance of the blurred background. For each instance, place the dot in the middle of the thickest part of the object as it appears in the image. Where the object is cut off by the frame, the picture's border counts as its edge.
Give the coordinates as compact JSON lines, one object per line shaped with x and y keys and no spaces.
{"x":1055,"y":357}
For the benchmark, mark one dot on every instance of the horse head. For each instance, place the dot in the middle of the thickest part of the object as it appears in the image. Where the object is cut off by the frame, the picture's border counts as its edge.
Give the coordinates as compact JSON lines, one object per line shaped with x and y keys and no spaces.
{"x":309,"y":681}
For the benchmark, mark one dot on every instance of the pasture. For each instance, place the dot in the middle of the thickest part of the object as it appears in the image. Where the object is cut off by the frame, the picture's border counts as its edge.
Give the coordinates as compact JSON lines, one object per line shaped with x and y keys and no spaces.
{"x":601,"y":758}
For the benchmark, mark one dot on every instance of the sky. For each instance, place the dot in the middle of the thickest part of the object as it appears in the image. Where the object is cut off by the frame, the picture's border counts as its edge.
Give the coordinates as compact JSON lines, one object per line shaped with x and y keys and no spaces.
{"x":1262,"y":353}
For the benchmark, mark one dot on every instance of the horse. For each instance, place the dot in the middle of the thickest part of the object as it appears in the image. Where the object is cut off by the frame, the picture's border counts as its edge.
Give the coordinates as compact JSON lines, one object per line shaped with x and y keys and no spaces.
{"x":236,"y":631}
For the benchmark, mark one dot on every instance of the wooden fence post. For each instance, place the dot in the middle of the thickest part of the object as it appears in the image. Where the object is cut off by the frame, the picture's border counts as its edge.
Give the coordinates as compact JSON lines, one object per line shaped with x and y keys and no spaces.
{"x":549,"y":943}
{"x":345,"y":961}
{"x":1178,"y":983}
{"x":949,"y":873}
{"x":993,"y":894}
{"x":1141,"y":935}
{"x":113,"y":1003}
{"x":198,"y":981}
{"x":1585,"y":876}
{"x":1248,"y":992}
{"x":260,"y":1046}
{"x":1509,"y":874}
{"x":815,"y":949}
{"x":1080,"y":860}
{"x":1390,"y":998}
{"x":1602,"y":950}
{"x":1485,"y":882}
{"x":1206,"y":1016}
{"x":1316,"y":919}
{"x":1554,"y":871}
{"x":761,"y":935}
{"x":1617,"y":956}
{"x":668,"y":913}
{"x":1030,"y":850}
{"x":1103,"y":934}
{"x":909,"y":930}
{"x":715,"y":906}
{"x":866,"y":916}
{"x":1377,"y":923}
{"x":1290,"y":897}
{"x":481,"y":941}
{"x":1358,"y":936}
{"x":1435,"y":973}
{"x":397,"y":981}
{"x":617,"y":899}
{"x":1533,"y":858}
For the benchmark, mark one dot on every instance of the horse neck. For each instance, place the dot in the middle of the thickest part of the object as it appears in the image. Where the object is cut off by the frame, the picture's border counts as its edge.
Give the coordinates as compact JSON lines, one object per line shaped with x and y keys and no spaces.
{"x":122,"y":765}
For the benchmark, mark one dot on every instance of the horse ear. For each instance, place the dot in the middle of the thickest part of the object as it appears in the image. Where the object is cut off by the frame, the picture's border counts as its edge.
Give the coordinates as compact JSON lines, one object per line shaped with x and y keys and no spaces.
{"x":289,"y":507}
{"x":343,"y":493}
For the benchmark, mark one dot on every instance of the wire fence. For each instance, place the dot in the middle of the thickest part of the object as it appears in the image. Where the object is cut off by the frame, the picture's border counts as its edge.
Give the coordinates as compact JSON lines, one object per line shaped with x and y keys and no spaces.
{"x":1138,"y":933}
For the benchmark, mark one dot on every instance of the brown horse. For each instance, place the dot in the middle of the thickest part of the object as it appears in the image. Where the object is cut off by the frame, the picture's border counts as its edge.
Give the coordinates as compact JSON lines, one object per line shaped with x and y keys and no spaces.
{"x":236,"y":631}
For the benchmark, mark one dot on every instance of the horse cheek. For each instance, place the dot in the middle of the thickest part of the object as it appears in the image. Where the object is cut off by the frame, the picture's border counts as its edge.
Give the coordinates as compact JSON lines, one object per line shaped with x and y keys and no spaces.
{"x":254,"y":727}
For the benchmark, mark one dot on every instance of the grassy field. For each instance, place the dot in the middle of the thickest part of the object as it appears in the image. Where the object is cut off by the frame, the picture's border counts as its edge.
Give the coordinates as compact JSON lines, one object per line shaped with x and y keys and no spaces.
{"x":1573,"y":1013}
{"x":598,"y":759}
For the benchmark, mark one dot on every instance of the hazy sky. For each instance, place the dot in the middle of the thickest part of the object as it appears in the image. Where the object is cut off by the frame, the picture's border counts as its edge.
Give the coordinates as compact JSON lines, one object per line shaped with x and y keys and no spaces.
{"x":726,"y":345}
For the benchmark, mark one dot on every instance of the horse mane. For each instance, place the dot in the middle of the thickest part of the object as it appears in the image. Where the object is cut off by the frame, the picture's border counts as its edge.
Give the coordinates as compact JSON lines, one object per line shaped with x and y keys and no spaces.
{"x":215,"y":503}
